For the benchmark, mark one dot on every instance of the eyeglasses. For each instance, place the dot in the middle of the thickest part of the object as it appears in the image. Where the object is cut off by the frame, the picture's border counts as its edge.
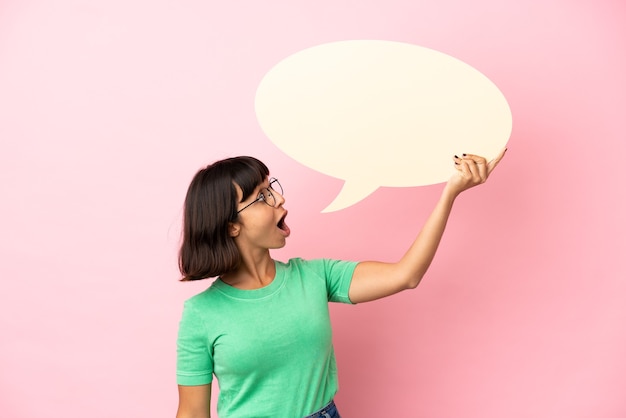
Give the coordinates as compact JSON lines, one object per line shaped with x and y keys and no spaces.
{"x":266,"y":194}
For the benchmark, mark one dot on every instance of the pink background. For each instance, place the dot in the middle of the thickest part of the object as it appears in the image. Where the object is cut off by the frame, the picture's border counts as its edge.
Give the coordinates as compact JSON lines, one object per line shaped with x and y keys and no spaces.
{"x":108,"y":108}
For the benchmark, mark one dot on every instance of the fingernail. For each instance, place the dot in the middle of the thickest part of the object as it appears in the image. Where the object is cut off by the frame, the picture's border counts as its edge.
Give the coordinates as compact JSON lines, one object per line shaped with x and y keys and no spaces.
{"x":456,"y":156}
{"x":465,"y":155}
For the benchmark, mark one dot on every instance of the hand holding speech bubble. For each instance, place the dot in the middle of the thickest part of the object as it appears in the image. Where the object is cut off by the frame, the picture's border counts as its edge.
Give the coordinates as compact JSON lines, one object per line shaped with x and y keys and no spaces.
{"x":380,"y":114}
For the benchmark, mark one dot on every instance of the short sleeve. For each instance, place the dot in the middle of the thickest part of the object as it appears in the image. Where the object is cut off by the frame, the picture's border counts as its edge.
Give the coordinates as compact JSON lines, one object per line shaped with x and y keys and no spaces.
{"x":338,"y":275}
{"x":194,"y":363}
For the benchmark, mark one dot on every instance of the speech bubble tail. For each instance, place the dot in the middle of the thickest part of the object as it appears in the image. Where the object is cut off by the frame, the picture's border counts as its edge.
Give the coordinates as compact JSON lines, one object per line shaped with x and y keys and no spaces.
{"x":351,"y":193}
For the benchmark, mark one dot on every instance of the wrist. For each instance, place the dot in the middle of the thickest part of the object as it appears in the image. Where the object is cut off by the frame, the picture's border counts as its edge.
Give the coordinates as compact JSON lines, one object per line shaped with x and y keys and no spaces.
{"x":450,"y":192}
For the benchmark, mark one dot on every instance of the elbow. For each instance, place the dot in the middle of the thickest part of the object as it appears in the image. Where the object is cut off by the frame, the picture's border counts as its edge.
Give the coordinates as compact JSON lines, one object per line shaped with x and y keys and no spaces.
{"x":409,"y":276}
{"x":412,"y":282}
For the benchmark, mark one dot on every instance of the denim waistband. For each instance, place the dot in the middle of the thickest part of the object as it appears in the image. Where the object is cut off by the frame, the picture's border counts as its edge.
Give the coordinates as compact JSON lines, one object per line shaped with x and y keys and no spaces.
{"x":325,"y":411}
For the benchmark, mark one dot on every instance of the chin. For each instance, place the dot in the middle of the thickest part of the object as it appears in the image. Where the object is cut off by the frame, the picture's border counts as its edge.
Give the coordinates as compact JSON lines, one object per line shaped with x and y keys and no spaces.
{"x":279,"y":246}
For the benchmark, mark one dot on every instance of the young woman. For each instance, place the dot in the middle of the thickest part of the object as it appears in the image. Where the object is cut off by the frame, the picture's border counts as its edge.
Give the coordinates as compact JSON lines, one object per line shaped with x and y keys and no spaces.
{"x":262,"y":328}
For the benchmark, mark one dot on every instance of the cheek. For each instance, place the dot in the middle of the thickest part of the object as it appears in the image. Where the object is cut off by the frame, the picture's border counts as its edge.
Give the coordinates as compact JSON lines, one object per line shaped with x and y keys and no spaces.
{"x":262,"y":220}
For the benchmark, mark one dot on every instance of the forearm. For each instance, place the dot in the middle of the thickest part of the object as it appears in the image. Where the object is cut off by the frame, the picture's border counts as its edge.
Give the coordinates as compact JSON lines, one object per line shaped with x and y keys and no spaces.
{"x":373,"y":280}
{"x":416,"y":261}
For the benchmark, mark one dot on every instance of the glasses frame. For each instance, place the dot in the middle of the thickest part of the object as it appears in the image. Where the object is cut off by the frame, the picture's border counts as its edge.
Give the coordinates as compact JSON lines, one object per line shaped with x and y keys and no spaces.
{"x":262,"y":196}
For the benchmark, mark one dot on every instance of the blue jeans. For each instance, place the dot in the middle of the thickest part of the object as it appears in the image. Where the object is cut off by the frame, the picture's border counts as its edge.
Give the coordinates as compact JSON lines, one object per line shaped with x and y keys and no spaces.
{"x":329,"y":411}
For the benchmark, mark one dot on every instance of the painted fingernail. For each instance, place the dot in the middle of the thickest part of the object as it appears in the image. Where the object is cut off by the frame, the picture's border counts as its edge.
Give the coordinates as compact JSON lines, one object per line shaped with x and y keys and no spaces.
{"x":456,"y":156}
{"x":465,"y":155}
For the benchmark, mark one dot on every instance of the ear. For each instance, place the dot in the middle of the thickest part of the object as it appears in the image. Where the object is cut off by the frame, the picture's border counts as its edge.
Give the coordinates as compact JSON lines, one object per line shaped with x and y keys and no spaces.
{"x":233,"y":229}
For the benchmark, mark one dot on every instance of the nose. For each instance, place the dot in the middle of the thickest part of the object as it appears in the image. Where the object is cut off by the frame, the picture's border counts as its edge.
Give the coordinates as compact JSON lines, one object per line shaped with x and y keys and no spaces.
{"x":280,"y":199}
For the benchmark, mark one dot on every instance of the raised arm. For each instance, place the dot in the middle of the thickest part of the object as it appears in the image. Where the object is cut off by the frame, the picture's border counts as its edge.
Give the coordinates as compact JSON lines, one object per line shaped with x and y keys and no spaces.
{"x":374,"y":280}
{"x":194,"y":401}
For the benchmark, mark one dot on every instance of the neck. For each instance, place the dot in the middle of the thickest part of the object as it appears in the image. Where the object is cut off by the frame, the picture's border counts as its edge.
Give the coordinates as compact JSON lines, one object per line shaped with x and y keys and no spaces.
{"x":254,"y":272}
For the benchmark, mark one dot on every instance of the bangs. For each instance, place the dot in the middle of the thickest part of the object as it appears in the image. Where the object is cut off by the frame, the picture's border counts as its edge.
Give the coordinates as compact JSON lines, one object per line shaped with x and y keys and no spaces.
{"x":248,"y":174}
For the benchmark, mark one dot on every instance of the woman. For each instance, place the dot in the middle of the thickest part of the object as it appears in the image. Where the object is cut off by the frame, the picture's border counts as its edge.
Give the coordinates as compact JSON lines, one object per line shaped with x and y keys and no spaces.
{"x":262,"y":328}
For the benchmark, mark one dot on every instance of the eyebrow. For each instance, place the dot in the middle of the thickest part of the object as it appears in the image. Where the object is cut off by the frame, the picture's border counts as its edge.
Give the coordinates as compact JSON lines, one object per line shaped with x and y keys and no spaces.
{"x":260,"y":188}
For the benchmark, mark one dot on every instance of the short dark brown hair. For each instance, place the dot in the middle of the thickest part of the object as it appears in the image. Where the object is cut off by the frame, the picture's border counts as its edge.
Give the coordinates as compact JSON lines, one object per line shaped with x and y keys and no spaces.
{"x":207,"y":249}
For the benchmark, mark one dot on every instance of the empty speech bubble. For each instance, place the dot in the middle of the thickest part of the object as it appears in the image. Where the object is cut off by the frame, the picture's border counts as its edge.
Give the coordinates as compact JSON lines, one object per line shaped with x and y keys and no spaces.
{"x":380,"y":114}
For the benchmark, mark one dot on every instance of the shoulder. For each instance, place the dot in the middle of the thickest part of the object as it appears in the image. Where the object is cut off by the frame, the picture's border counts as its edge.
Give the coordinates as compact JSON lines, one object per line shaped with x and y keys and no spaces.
{"x":301,"y":264}
{"x":322,"y":267}
{"x":201,"y":312}
{"x":204,"y":299}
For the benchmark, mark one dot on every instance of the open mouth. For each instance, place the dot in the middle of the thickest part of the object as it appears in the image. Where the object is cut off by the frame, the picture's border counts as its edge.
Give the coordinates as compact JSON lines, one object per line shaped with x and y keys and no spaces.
{"x":282,"y":225}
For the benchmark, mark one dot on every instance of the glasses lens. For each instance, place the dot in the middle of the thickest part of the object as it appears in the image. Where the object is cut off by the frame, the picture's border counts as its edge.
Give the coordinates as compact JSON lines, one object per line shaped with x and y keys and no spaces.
{"x":268,"y":197}
{"x":275,"y":185}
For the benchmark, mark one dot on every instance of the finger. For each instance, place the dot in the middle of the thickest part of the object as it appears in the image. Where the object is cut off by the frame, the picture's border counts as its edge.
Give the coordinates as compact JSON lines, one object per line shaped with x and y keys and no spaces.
{"x":483,"y":171}
{"x":462,"y":167}
{"x":474,"y":169}
{"x":493,"y":163}
{"x":480,"y":164}
{"x":476,"y":158}
{"x":464,"y":170}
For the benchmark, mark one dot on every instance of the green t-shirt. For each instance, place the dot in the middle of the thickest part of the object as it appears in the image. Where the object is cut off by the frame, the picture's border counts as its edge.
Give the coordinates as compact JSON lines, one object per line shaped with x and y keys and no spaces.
{"x":270,"y":348}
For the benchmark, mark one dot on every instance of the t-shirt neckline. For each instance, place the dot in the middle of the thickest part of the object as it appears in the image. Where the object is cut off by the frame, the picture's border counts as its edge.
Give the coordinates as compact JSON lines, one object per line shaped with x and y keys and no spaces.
{"x":260,"y":293}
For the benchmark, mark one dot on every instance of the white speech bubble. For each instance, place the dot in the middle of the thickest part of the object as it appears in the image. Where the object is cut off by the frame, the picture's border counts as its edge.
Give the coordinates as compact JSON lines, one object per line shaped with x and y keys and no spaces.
{"x":380,"y":113}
